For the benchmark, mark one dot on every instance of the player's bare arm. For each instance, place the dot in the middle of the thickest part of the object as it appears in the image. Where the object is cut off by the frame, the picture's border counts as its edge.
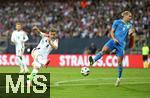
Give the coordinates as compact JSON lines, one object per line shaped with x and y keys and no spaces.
{"x":132,"y":32}
{"x":36,"y":29}
{"x":39,"y":31}
{"x":113,"y":37}
{"x":131,"y":37}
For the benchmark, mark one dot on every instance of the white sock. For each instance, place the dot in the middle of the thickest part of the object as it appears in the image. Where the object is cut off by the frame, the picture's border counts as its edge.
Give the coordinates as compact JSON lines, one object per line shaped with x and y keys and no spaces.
{"x":25,"y":68}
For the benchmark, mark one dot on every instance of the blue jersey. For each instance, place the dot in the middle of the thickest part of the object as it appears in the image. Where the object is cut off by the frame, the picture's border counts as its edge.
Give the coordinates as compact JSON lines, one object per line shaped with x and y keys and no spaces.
{"x":121,"y":30}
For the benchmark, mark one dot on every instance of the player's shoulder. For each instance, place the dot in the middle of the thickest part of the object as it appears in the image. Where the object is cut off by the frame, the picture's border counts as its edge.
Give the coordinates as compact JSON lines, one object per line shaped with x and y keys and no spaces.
{"x":14,"y":32}
{"x":22,"y":31}
{"x":117,"y":21}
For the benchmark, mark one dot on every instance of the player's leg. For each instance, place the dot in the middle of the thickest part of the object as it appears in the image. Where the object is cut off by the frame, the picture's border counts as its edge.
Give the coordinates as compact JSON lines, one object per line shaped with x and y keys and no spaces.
{"x":36,"y":67}
{"x":106,"y":49}
{"x":39,"y":61}
{"x":21,"y":61}
{"x":119,"y":53}
{"x":120,"y":70}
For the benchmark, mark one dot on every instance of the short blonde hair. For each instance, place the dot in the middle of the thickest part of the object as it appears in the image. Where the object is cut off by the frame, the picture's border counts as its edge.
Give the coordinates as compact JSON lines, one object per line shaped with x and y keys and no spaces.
{"x":125,"y":13}
{"x":18,"y":23}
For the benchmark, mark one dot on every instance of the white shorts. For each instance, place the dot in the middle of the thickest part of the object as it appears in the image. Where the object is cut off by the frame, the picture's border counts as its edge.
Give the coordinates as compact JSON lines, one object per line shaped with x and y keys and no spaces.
{"x":20,"y":51}
{"x":39,"y":59}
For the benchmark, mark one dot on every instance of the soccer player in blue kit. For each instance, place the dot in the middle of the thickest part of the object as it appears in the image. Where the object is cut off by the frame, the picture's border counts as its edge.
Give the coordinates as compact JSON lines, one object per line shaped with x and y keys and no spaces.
{"x":121,"y":28}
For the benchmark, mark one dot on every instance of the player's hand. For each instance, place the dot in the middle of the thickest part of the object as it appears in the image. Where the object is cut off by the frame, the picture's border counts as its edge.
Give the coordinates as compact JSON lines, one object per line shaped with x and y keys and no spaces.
{"x":131,"y":31}
{"x":36,"y":28}
{"x":116,"y":41}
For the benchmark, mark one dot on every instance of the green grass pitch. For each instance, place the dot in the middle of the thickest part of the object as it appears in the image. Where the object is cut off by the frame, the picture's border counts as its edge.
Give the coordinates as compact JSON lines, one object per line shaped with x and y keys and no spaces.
{"x":69,"y":83}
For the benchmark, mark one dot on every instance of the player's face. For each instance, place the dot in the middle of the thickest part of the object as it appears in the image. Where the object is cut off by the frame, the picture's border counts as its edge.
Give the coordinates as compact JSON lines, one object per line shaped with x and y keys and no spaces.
{"x":18,"y":27}
{"x":128,"y":17}
{"x":52,"y":34}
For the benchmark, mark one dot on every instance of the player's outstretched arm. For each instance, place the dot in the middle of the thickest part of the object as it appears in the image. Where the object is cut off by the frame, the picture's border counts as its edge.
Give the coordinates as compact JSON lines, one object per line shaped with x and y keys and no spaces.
{"x":39,"y":31}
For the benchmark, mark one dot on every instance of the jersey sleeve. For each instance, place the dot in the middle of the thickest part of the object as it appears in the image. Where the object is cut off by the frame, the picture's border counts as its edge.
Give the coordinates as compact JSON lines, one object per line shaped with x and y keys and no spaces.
{"x":114,"y":25}
{"x":25,"y":37}
{"x":13,"y":37}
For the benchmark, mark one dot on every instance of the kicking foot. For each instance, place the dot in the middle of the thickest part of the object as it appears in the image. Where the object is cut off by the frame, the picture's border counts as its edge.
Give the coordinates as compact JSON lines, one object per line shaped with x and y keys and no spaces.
{"x":117,"y":82}
{"x":91,"y":60}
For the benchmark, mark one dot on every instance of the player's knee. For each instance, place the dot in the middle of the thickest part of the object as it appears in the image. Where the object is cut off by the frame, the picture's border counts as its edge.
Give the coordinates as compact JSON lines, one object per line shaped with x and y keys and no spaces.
{"x":19,"y":57}
{"x":119,"y":64}
{"x":105,"y":50}
{"x":36,"y":65}
{"x":42,"y":60}
{"x":37,"y":68}
{"x":120,"y":61}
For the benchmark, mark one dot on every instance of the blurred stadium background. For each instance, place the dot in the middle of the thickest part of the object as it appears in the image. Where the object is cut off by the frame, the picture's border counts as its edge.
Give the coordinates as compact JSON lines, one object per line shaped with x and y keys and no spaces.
{"x":83,"y":28}
{"x":72,"y":21}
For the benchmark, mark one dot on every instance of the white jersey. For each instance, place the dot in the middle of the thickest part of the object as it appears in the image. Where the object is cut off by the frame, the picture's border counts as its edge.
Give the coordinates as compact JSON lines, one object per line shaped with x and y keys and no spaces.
{"x":44,"y":48}
{"x":19,"y":38}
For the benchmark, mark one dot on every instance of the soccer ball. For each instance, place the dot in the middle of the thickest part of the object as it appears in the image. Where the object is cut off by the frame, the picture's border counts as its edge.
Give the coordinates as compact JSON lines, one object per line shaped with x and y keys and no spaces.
{"x":85,"y":71}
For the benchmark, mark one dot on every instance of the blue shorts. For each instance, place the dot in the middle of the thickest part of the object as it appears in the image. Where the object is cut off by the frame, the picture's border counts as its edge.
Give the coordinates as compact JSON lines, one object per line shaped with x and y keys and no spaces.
{"x":112,"y":45}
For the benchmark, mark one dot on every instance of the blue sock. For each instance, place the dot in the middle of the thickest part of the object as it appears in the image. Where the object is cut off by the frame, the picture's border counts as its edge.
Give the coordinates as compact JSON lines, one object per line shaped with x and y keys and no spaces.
{"x":120,"y":68}
{"x":98,"y":56}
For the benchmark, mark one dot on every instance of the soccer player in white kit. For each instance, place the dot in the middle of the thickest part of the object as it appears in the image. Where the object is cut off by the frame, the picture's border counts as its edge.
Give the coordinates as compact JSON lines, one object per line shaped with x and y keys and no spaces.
{"x":40,"y":53}
{"x":19,"y":37}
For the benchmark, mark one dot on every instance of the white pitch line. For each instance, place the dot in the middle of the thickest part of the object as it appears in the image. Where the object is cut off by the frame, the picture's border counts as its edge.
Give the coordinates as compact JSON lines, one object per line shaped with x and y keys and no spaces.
{"x":99,"y":84}
{"x":78,"y":80}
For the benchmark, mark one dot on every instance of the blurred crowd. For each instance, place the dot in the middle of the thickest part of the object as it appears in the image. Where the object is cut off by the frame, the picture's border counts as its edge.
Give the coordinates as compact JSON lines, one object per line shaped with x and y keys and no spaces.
{"x":70,"y":19}
{"x":73,"y":18}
